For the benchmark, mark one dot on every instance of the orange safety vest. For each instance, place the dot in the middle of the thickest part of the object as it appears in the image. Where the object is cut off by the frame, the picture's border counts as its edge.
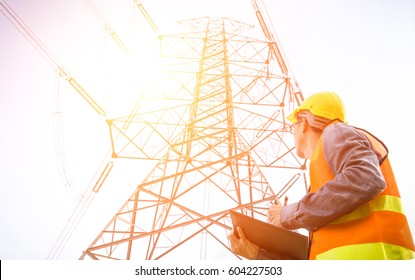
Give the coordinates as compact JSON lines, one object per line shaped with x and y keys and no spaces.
{"x":377,"y":229}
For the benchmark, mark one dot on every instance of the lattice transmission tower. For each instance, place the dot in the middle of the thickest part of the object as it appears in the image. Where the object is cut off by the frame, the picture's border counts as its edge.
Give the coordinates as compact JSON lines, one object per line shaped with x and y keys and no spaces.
{"x":218,"y":128}
{"x":215,"y":130}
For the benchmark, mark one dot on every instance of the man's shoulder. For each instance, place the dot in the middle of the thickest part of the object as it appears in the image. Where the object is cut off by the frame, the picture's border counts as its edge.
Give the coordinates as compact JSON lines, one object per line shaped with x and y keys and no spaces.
{"x":341,"y":132}
{"x":340,"y":127}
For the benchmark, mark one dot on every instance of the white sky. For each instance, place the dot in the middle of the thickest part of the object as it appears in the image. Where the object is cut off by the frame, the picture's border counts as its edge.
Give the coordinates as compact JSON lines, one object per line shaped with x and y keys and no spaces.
{"x":361,"y":49}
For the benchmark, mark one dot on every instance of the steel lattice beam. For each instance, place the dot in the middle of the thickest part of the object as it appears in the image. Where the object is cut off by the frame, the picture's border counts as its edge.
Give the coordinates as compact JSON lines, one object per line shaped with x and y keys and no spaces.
{"x":222,"y":121}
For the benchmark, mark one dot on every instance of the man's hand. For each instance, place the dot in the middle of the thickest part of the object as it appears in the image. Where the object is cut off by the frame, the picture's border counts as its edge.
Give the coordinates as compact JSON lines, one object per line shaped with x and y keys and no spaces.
{"x":273,"y":216}
{"x":241,"y":245}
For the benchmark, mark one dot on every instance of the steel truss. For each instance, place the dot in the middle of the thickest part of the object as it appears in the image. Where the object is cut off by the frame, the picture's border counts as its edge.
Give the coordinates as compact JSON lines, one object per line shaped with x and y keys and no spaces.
{"x":217,"y":139}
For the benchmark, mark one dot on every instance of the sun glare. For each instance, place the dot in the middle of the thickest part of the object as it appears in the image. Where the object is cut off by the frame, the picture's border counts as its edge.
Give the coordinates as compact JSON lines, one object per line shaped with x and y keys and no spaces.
{"x":130,"y":62}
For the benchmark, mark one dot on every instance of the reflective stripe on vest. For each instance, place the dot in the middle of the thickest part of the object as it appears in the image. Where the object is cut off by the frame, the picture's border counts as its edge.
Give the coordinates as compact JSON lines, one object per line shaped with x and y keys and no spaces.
{"x":368,"y":251}
{"x":380,"y":203}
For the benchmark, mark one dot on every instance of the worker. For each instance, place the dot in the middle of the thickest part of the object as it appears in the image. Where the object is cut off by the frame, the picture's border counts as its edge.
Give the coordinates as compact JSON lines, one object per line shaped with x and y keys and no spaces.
{"x":353,"y":208}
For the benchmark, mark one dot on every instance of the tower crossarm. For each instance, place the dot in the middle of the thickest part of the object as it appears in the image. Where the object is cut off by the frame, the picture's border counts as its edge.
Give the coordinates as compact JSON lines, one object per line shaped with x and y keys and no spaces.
{"x":107,"y":27}
{"x":277,"y":51}
{"x":274,"y":47}
{"x":146,"y":15}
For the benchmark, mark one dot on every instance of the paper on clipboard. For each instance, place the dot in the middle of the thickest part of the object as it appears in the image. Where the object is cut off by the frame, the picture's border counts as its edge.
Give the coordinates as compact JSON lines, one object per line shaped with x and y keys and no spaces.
{"x":272,"y":238}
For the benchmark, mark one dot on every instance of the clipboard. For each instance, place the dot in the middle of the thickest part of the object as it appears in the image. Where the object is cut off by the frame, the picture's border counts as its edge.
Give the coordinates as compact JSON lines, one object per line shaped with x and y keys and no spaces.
{"x":272,"y":238}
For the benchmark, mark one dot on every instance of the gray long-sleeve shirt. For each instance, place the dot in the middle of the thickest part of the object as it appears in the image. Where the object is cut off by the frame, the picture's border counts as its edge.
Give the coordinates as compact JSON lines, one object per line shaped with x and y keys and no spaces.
{"x":357,"y":179}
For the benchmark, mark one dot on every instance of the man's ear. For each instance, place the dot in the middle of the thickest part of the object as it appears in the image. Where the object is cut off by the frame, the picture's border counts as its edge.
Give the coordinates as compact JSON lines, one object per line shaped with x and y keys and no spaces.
{"x":305,"y":126}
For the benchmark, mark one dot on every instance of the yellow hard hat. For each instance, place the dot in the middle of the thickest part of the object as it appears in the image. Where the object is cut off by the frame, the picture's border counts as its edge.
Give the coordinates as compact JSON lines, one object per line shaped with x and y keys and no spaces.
{"x":322,"y":104}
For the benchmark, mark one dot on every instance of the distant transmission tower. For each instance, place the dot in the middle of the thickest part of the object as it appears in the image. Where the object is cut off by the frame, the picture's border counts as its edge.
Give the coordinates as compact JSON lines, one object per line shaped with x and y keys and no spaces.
{"x":219,"y":140}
